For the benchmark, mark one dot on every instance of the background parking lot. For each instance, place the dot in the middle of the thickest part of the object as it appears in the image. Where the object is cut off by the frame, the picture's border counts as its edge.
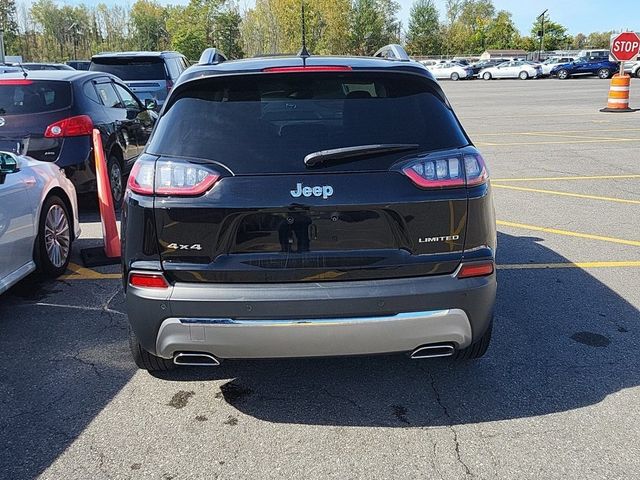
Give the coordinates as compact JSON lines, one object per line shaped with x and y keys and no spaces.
{"x":556,"y":396}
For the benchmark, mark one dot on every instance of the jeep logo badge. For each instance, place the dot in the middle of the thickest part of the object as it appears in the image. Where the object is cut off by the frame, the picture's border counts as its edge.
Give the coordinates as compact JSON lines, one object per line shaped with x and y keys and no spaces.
{"x":324,"y":191}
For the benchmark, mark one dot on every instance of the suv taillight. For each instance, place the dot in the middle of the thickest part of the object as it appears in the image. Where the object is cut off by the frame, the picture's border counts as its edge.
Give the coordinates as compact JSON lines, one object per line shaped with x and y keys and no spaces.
{"x":169,"y":85}
{"x":70,"y":127}
{"x":447,"y":172}
{"x":170,"y":177}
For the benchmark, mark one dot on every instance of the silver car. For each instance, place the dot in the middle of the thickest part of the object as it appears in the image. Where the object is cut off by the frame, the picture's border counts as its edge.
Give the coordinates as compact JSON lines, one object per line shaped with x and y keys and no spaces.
{"x":516,"y":69}
{"x":38,"y":218}
{"x":451,"y":70}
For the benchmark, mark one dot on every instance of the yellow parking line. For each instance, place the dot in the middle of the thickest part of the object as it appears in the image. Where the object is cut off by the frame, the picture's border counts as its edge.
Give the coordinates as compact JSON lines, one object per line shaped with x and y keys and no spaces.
{"x":568,"y":142}
{"x":527,"y":266}
{"x":559,"y":132}
{"x":98,"y":276}
{"x":82,"y":271}
{"x":568,"y":233}
{"x":568,"y":194}
{"x":545,"y":179}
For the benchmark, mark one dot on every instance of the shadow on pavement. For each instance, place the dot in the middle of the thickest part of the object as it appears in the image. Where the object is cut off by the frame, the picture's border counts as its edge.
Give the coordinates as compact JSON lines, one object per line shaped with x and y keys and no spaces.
{"x":59,"y":367}
{"x":562,"y":340}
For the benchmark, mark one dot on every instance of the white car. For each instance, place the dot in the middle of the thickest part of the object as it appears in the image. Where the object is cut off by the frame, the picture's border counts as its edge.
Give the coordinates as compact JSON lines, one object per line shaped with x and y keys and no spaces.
{"x":632,"y":68}
{"x":550,"y":63}
{"x":451,"y":70}
{"x":38,"y":218}
{"x":516,"y":69}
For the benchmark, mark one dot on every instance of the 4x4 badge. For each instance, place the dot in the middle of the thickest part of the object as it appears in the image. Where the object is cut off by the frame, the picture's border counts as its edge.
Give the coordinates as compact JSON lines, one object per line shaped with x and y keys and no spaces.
{"x":324,"y":191}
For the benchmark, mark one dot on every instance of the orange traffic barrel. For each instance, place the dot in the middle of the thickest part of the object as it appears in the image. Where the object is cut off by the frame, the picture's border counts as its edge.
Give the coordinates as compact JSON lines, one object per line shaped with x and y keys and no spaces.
{"x":619,"y":94}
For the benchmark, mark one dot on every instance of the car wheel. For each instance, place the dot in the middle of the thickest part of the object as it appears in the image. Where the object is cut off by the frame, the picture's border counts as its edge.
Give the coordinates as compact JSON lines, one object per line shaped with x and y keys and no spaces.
{"x":563,"y":74}
{"x":145,"y":360}
{"x":53,"y":244}
{"x":486,"y":76}
{"x":523,"y":75}
{"x":477,"y":349}
{"x":603,"y":73}
{"x":455,"y":76}
{"x":115,"y":180}
{"x":638,"y":73}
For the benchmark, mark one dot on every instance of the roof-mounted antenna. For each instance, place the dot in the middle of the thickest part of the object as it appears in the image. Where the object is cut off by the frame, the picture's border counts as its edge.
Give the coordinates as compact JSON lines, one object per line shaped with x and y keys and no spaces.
{"x":24,"y":72}
{"x":304,"y":53}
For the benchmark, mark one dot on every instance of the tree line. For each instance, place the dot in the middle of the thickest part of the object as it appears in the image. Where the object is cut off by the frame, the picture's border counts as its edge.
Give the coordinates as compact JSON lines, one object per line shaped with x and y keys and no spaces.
{"x":48,"y":31}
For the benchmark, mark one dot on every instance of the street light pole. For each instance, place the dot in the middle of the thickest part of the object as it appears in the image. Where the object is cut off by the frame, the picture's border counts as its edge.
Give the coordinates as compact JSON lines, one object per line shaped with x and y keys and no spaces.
{"x":1,"y":46}
{"x":541,"y":33}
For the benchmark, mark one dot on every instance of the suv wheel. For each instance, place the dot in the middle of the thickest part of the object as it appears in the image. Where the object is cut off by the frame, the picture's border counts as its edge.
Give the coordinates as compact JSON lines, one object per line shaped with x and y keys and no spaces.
{"x":523,"y":75}
{"x":477,"y":349}
{"x":486,"y":76}
{"x":603,"y":73}
{"x":455,"y":76}
{"x":146,"y":360}
{"x":115,"y":180}
{"x":53,"y":244}
{"x":563,"y":74}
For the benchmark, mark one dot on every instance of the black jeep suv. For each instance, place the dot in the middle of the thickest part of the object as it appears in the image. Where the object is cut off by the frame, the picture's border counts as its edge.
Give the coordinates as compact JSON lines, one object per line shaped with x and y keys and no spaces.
{"x":298,"y":207}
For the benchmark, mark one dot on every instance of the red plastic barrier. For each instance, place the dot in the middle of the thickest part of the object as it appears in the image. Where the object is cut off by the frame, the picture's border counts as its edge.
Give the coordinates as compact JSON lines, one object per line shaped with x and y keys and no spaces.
{"x":107,"y":210}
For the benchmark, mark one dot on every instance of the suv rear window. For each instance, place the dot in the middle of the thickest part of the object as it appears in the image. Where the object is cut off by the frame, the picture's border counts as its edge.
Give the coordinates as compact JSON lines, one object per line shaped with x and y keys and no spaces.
{"x":20,"y":97}
{"x":131,"y":68}
{"x":270,"y":122}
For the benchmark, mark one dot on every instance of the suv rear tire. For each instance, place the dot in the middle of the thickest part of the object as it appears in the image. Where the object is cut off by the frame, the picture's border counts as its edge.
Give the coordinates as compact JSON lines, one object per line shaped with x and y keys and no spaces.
{"x":604,"y":73}
{"x":145,"y":360}
{"x":477,"y":349}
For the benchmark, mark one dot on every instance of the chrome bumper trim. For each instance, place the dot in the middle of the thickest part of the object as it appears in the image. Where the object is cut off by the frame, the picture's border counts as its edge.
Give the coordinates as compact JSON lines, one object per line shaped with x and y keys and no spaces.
{"x":276,"y":338}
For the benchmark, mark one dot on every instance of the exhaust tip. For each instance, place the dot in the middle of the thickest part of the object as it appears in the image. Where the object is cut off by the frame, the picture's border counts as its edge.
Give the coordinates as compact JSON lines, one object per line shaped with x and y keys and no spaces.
{"x":433,"y":351}
{"x":196,"y":359}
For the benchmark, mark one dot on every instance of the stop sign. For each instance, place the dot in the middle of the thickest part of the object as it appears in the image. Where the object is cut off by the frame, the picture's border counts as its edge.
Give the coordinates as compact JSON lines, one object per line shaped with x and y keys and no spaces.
{"x":625,"y":46}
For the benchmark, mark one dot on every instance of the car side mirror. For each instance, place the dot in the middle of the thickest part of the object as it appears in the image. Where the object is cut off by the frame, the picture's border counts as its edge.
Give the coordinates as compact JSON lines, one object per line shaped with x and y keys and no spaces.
{"x":8,"y":163}
{"x":150,"y":104}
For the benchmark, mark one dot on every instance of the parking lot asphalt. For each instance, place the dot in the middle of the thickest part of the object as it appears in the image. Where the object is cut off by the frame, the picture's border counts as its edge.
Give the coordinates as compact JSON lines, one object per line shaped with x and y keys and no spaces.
{"x":557,"y":395}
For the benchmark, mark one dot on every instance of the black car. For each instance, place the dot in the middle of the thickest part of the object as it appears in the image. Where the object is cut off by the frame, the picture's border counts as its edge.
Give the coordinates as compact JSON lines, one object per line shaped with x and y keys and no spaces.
{"x":50,"y":116}
{"x":302,"y":207}
{"x":79,"y":64}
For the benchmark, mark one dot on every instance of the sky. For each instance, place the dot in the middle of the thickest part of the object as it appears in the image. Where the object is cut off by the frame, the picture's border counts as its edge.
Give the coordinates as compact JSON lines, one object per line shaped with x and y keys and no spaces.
{"x":579,"y":16}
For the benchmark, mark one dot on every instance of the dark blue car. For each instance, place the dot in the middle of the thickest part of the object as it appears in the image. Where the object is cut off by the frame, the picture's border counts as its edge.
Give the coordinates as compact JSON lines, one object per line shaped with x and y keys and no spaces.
{"x":603,"y":68}
{"x":50,"y":116}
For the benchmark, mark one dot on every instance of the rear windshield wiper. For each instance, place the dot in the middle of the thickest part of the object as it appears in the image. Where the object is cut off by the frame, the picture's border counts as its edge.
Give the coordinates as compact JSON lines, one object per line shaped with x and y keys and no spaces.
{"x":345,"y":153}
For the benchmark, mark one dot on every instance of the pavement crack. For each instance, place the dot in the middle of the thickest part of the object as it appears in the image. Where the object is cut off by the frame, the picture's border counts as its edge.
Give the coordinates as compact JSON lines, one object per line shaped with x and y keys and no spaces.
{"x":77,"y":358}
{"x":445,"y":410}
{"x":343,"y":398}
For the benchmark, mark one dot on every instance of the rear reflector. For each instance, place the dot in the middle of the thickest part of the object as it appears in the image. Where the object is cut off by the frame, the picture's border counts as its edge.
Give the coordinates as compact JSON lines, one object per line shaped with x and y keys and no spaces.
{"x":70,"y":127}
{"x":475,"y":270}
{"x":314,"y":68}
{"x":16,"y":81}
{"x":148,"y":280}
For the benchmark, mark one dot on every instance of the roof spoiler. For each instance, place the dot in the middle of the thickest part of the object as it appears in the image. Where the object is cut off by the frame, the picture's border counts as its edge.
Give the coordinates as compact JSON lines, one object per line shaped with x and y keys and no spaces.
{"x":211,"y":56}
{"x":393,"y":52}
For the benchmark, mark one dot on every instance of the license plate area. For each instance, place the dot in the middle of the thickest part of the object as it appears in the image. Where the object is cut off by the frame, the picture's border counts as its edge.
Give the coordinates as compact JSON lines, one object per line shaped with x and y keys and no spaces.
{"x":301,"y":232}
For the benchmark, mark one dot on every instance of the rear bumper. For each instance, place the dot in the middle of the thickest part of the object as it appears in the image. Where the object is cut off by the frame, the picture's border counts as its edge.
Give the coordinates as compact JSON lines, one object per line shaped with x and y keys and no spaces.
{"x":311,"y":319}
